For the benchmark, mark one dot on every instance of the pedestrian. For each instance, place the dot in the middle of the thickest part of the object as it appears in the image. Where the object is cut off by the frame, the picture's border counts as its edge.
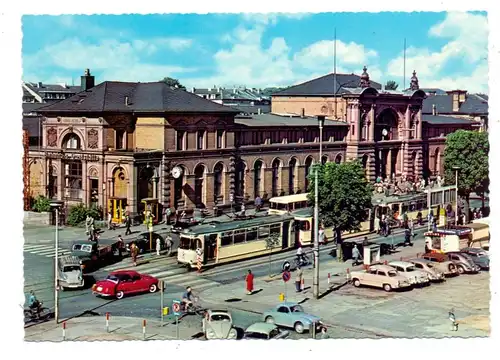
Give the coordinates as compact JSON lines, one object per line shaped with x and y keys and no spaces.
{"x":377,"y":225}
{"x":324,"y":335}
{"x":168,"y":244}
{"x":407,"y":236}
{"x":321,"y":236}
{"x":365,"y":241}
{"x":133,"y":252}
{"x":249,"y":282}
{"x":128,"y":223}
{"x":110,"y":219}
{"x":158,"y":246}
{"x":258,"y":203}
{"x":121,"y":245}
{"x":298,"y":279}
{"x":411,"y":226}
{"x":355,"y":255}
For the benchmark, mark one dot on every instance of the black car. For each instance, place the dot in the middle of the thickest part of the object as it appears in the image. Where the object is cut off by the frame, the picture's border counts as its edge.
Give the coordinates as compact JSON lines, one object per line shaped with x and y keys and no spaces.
{"x":144,"y":243}
{"x":479,"y":257}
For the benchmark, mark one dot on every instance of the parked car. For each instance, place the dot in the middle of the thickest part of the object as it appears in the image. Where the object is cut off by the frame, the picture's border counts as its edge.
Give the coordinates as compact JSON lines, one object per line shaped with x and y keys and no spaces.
{"x":464,"y":262}
{"x":291,"y":315}
{"x":70,"y":272}
{"x":382,"y":276}
{"x":479,"y":257}
{"x":442,"y":263}
{"x":428,"y":267}
{"x":218,"y":324}
{"x":125,"y":282}
{"x":409,"y":271}
{"x":264,"y":331}
{"x":144,"y":243}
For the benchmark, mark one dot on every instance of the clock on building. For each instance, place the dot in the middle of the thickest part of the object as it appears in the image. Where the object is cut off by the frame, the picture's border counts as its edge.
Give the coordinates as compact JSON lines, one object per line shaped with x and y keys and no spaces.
{"x":176,"y":172}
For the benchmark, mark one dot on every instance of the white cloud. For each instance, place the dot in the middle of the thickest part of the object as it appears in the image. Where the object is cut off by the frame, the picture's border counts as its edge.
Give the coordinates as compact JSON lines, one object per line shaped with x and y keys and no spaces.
{"x":468,"y":35}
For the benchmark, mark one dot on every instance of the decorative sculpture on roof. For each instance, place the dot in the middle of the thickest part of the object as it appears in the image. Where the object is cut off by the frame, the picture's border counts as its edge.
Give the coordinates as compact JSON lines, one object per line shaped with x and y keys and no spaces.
{"x":365,"y":79}
{"x":51,"y":137}
{"x":414,"y":81}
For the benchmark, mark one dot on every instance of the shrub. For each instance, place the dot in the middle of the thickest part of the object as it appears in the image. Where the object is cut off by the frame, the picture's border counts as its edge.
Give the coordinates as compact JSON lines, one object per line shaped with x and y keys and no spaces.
{"x":77,"y":214}
{"x":41,"y":204}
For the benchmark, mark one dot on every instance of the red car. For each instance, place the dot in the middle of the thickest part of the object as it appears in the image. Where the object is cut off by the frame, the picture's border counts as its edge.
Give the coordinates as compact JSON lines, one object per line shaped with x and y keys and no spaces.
{"x":124,"y":282}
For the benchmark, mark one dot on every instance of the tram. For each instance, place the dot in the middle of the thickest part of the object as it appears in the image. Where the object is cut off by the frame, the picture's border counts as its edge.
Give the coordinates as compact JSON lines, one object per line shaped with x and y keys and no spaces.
{"x":224,"y":242}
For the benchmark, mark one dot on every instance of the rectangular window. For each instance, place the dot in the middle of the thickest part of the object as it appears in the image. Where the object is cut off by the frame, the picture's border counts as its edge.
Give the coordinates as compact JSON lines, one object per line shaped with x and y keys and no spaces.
{"x":180,"y":140}
{"x":263,"y":231}
{"x":200,"y":139}
{"x":239,"y":236}
{"x":275,"y":229}
{"x":226,"y":238}
{"x":119,"y":139}
{"x":220,"y":139}
{"x":251,"y":234}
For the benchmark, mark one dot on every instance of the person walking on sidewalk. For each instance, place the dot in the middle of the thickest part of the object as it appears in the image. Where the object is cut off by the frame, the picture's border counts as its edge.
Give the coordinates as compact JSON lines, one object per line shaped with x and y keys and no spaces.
{"x":249,"y":282}
{"x":158,"y":246}
{"x":128,"y":223}
{"x":121,"y":245}
{"x":110,"y":221}
{"x":298,"y":279}
{"x":134,"y":250}
{"x":355,"y":255}
{"x":323,"y":335}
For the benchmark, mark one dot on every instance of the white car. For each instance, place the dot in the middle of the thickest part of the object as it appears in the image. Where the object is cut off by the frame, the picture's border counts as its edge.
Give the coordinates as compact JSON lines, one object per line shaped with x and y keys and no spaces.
{"x":409,"y":271}
{"x":218,"y":324}
{"x":428,"y":267}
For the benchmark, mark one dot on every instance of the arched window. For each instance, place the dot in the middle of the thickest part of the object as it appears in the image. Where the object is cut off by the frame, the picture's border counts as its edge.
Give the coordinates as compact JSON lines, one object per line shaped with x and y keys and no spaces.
{"x":292,"y":168}
{"x":199,"y":177}
{"x":324,"y":159}
{"x":218,"y":171}
{"x":307,"y":169}
{"x":437,"y":162}
{"x":257,"y":178}
{"x":338,"y":159}
{"x":239,"y":179}
{"x":72,"y":142}
{"x":276,"y":177}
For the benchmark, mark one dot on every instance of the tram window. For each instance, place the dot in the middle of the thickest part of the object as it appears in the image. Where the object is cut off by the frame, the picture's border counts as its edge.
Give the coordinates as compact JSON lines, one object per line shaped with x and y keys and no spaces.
{"x":239,"y":236}
{"x":186,"y":243}
{"x":304,"y":225}
{"x":273,"y":205}
{"x":395,"y":207}
{"x":276,"y":229}
{"x":226,"y":238}
{"x":263,"y":231}
{"x":404,"y":208}
{"x":251,"y":234}
{"x":282,"y":207}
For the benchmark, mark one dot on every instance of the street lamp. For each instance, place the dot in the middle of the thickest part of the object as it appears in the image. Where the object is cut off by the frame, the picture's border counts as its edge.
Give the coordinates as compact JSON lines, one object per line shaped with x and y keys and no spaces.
{"x":456,"y":169}
{"x":321,"y":121}
{"x":56,"y":204}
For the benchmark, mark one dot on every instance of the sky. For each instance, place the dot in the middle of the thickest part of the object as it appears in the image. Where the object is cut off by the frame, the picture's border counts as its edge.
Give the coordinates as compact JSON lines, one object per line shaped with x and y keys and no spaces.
{"x":447,"y":50}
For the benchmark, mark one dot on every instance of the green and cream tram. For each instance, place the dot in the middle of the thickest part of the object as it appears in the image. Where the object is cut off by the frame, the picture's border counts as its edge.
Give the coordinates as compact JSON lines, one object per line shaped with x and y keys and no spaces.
{"x":235,"y":240}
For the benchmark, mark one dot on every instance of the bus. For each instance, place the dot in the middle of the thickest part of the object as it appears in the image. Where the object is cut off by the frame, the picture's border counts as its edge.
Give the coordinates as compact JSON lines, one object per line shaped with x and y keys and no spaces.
{"x":280,"y":205}
{"x":224,"y":242}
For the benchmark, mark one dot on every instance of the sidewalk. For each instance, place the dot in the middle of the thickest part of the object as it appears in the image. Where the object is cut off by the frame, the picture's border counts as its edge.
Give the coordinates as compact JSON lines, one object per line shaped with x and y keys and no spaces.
{"x":120,"y":328}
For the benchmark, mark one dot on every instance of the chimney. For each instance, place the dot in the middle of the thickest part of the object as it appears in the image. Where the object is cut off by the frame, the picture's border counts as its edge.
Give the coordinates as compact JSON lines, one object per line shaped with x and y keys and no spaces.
{"x":434,"y":112}
{"x":458,"y":98}
{"x":87,"y":81}
{"x":126,"y":101}
{"x":39,"y":85}
{"x":193,"y":90}
{"x":303,"y":114}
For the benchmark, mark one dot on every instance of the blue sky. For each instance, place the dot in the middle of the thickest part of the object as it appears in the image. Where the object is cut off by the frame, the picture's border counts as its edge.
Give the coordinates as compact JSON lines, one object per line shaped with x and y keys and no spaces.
{"x":448,"y":50}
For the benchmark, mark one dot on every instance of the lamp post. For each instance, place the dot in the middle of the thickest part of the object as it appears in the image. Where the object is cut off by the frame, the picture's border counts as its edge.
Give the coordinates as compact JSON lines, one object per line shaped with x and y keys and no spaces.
{"x":321,"y":121}
{"x":456,"y":169}
{"x":56,"y":204}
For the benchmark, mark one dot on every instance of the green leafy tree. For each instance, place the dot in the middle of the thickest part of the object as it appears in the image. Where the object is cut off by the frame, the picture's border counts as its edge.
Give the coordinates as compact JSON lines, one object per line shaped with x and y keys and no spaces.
{"x":469,"y":151}
{"x":391,"y":85}
{"x":173,"y":83}
{"x":344,"y":195}
{"x":272,"y":241}
{"x":41,"y":204}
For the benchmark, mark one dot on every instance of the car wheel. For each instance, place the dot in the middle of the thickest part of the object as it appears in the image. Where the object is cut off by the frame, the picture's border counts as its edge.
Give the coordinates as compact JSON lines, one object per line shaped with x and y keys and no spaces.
{"x":460,"y":269}
{"x":120,"y":295}
{"x":387,"y":287}
{"x":269,"y":320}
{"x":356,"y":283}
{"x":299,"y":327}
{"x":153,"y":288}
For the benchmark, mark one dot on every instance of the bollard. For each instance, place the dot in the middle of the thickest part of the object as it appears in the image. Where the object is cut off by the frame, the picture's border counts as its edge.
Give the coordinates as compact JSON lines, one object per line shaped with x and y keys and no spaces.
{"x":282,"y":297}
{"x":144,"y":329}
{"x":329,"y":279}
{"x":348,"y":274}
{"x":107,"y":322}
{"x":385,"y":262}
{"x":64,"y":330}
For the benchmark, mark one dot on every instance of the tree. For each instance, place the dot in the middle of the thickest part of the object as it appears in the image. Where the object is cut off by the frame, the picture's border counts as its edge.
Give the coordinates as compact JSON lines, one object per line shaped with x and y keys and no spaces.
{"x":344,"y":195}
{"x":272,"y":241}
{"x":391,"y":85}
{"x":173,"y":83}
{"x":468,"y":150}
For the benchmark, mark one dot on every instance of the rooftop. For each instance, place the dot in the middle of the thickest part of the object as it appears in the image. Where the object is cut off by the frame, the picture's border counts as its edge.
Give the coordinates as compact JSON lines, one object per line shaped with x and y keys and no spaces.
{"x":474,"y":104}
{"x":114,"y":96}
{"x":270,"y":119}
{"x":444,"y":120}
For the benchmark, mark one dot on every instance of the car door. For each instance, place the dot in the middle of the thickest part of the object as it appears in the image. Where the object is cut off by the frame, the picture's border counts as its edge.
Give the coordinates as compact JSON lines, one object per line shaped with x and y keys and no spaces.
{"x":139,"y":284}
{"x":370,"y":277}
{"x":380,"y":280}
{"x":283,"y":316}
{"x":124,"y":284}
{"x":420,"y":267}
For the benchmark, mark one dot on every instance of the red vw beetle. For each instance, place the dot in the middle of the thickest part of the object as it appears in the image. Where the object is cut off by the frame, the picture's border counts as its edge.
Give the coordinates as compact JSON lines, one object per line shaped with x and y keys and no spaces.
{"x":125,"y":282}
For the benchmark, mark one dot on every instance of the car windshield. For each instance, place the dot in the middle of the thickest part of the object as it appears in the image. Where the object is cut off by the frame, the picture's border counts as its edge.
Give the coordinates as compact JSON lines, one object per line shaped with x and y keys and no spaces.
{"x":220,"y":317}
{"x":430,"y":265}
{"x":113,"y":278}
{"x":71,"y":268}
{"x":392,"y":273}
{"x":255,"y":335}
{"x":82,"y":247}
{"x":296,"y":308}
{"x":410,"y":269}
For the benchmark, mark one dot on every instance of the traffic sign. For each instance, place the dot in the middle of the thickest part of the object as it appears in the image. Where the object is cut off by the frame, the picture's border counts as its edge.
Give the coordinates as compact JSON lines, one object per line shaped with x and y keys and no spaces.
{"x":176,"y":307}
{"x":286,"y":276}
{"x":199,"y":251}
{"x":165,"y":310}
{"x":169,"y":212}
{"x":286,"y":266}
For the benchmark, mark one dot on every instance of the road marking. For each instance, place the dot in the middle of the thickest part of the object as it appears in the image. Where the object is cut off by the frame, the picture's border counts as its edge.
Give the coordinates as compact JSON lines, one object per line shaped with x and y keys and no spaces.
{"x":128,"y":264}
{"x":34,"y":247}
{"x":45,"y":252}
{"x":61,"y":253}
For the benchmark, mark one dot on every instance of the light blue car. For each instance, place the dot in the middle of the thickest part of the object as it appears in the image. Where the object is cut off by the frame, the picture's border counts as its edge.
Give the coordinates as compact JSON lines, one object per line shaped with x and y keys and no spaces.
{"x":291,"y":315}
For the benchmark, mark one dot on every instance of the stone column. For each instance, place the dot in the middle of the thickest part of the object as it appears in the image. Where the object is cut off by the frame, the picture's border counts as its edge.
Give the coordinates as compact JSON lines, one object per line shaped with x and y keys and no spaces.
{"x":301,"y":177}
{"x":356,"y":122}
{"x":268,"y":182}
{"x":371,"y":117}
{"x":208,"y":184}
{"x":419,"y":124}
{"x":191,"y":194}
{"x":249,"y":183}
{"x":388,"y":166}
{"x":85,"y":184}
{"x":285,"y":176}
{"x":407,"y":123}
{"x":226,"y":191}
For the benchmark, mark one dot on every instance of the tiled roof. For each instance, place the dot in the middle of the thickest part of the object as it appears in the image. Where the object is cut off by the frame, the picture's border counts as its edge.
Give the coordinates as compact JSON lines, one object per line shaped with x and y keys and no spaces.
{"x":278,"y":120}
{"x":443,"y":120}
{"x":233,"y":93}
{"x":434,"y":90}
{"x":110,"y":96}
{"x":324,"y":85}
{"x":474,"y":104}
{"x":249,"y":109}
{"x":31,"y":107}
{"x":40,"y":88}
